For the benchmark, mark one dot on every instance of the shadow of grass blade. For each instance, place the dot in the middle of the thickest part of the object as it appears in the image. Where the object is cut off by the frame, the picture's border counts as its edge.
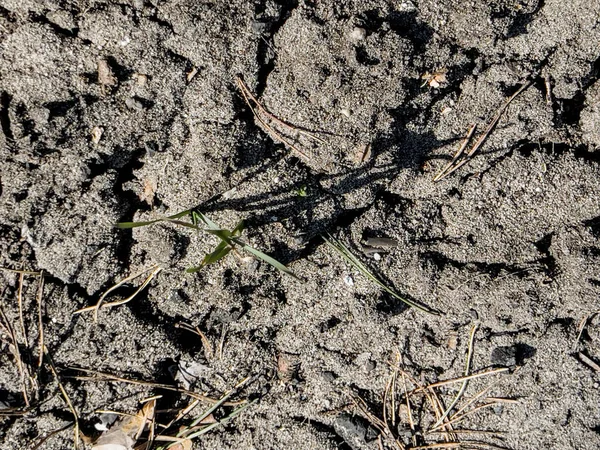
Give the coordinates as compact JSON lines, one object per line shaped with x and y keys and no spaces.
{"x":354,"y":261}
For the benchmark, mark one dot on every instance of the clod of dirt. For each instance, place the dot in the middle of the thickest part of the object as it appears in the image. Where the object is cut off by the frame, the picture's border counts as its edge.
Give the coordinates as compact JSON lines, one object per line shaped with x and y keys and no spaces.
{"x":504,"y":356}
{"x":353,"y":430}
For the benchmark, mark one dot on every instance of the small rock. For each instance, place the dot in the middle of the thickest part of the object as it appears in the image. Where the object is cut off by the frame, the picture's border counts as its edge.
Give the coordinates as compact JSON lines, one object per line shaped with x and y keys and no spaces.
{"x":358,"y":34}
{"x":348,"y":280}
{"x":97,"y":135}
{"x":105,"y":74}
{"x":498,"y":409}
{"x":132,"y":103}
{"x":407,"y":6}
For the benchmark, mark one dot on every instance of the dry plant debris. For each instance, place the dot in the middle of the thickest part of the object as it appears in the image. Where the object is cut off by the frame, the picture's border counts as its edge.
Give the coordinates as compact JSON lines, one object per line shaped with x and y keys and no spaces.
{"x":460,"y":157}
{"x":144,"y":431}
{"x":435,"y":79}
{"x":154,"y":270}
{"x":345,"y":253}
{"x":413,"y":415}
{"x":278,"y":129}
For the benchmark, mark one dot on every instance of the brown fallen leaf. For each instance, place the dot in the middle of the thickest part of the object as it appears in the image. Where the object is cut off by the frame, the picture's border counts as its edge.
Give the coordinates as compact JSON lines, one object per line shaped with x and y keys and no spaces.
{"x":435,"y":79}
{"x":124,"y":434}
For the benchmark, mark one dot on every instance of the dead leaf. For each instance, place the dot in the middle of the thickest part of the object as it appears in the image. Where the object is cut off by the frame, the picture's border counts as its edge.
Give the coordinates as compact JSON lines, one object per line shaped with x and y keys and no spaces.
{"x":435,"y":79}
{"x":184,"y":445}
{"x":124,"y":434}
{"x":114,"y":439}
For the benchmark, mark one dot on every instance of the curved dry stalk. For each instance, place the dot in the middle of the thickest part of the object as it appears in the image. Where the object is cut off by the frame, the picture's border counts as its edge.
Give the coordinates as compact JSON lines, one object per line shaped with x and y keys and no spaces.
{"x":463,"y":387}
{"x":154,"y":271}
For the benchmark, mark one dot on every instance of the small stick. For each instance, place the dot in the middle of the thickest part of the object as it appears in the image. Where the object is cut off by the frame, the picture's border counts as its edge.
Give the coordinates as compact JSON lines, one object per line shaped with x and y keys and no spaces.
{"x":486,"y":133}
{"x":548,"y":85}
{"x":64,"y":394}
{"x":465,"y":382}
{"x":246,"y":93}
{"x":409,"y":412}
{"x":588,"y":362}
{"x":42,"y":440}
{"x":458,"y":153}
{"x":16,"y":353}
{"x":155,"y":270}
{"x":274,"y":118}
{"x":469,"y":377}
{"x":208,"y":350}
{"x":20,"y":302}
{"x":583,"y":324}
{"x":39,"y":298}
{"x":457,"y":418}
{"x":222,"y":341}
{"x":106,"y":377}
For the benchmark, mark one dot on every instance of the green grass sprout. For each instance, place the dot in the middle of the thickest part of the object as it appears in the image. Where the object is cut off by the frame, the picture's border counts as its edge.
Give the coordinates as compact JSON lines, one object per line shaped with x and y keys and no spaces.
{"x":343,"y":251}
{"x":229,"y":239}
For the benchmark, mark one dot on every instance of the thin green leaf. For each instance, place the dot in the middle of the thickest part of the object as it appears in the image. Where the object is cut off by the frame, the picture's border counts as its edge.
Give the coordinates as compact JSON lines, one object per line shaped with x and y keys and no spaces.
{"x":220,"y":252}
{"x":239,"y":228}
{"x":126,"y":225}
{"x":212,"y":225}
{"x":224,"y":235}
{"x":266,"y":258}
{"x":354,"y":261}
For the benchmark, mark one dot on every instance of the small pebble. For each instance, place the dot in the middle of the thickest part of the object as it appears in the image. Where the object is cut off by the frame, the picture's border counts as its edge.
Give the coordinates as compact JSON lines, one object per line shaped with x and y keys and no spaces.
{"x":358,"y":34}
{"x":345,"y":112}
{"x":376,"y":256}
{"x":132,"y":103}
{"x":348,"y":280}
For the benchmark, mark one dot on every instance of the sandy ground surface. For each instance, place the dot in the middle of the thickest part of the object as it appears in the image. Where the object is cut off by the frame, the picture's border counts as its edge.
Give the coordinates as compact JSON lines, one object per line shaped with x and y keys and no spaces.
{"x":120,"y":110}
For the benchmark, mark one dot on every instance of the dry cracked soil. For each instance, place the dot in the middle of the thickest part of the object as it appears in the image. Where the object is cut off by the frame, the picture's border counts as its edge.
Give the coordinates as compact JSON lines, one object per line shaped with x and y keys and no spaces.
{"x":303,"y":118}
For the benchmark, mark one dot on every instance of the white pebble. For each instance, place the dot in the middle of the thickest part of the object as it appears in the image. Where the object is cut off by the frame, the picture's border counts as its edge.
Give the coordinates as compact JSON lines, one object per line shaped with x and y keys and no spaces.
{"x":376,"y":256}
{"x":348,"y":280}
{"x":358,"y":34}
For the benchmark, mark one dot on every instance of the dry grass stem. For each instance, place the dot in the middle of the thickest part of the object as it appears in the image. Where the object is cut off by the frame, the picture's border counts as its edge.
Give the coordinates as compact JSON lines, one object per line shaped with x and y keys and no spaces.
{"x":262,"y":115}
{"x":65,"y":396}
{"x":206,"y":345}
{"x":13,"y":344}
{"x":469,"y":377}
{"x":154,"y":270}
{"x":582,"y":324}
{"x":39,"y":298}
{"x":465,"y":382}
{"x":109,"y":378}
{"x":459,"y":160}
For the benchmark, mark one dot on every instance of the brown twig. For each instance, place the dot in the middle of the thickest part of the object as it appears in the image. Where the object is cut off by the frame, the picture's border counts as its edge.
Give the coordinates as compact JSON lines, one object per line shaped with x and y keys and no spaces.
{"x":110,"y":378}
{"x":65,"y":396}
{"x":258,"y":109}
{"x":154,"y":270}
{"x":208,"y":350}
{"x":459,"y":162}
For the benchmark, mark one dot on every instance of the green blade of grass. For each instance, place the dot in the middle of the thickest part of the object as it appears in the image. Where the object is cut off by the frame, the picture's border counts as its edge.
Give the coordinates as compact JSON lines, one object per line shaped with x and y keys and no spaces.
{"x":239,"y":228}
{"x":354,"y":261}
{"x":126,"y":225}
{"x":220,"y":252}
{"x":198,"y":215}
{"x":266,"y":258}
